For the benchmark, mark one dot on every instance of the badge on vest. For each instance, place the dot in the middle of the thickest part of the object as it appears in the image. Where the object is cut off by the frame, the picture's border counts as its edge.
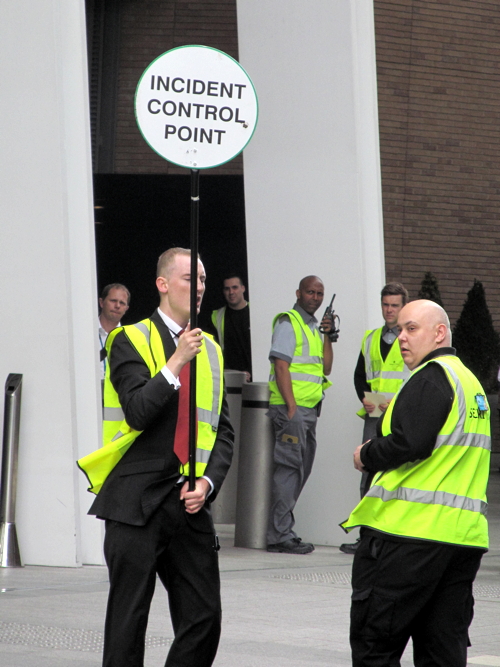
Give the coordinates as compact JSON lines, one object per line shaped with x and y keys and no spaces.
{"x":289,"y":438}
{"x":482,"y":407}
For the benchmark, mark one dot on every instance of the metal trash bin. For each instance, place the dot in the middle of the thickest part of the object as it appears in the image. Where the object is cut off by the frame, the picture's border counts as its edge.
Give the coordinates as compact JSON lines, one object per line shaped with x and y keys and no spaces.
{"x":224,"y":506}
{"x":255,"y":468}
{"x":9,"y":547}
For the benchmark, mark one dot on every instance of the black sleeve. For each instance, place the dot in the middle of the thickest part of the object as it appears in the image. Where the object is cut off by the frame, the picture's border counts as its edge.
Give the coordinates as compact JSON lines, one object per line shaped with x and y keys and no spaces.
{"x":222,"y":453}
{"x":142,"y":397}
{"x":360,"y":383}
{"x":420,"y":412}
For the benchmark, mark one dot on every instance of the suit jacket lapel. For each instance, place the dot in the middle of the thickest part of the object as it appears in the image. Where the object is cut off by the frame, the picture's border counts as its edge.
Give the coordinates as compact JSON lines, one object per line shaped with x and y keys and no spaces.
{"x":165,"y":335}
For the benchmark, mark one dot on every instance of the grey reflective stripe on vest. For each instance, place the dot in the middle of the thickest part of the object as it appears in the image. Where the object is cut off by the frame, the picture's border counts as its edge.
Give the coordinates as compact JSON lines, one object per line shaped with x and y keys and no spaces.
{"x":458,"y":435}
{"x":202,"y":455}
{"x":429,"y":498}
{"x":465,"y":440}
{"x":301,"y":377}
{"x":212,"y":417}
{"x":144,"y":330}
{"x":368,"y":357}
{"x":306,"y":353}
{"x":116,"y":436}
{"x":307,"y":360}
{"x":389,"y":375}
{"x":113,"y":414}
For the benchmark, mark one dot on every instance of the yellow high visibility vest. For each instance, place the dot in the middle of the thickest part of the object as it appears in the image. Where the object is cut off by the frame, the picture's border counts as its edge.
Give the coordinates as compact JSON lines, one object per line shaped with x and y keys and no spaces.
{"x":118,"y":436}
{"x":218,"y":320}
{"x":385,"y":376}
{"x":441,"y":498}
{"x":306,"y":367}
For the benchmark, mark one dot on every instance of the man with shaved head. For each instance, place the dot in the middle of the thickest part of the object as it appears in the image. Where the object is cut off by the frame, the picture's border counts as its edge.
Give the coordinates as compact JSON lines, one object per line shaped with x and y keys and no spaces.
{"x":423,"y":520}
{"x":300,"y":360}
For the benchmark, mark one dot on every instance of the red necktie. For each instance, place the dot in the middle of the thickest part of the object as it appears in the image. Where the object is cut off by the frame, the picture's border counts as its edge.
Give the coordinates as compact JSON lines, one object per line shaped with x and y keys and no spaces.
{"x":181,"y":438}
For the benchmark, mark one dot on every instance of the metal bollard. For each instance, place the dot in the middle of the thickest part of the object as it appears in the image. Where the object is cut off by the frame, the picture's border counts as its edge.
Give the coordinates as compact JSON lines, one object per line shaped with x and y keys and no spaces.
{"x":224,"y":506}
{"x":9,"y":547}
{"x":255,"y":468}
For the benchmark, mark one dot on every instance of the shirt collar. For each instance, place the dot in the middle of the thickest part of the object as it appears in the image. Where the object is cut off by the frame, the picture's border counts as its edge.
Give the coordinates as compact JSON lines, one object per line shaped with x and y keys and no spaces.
{"x":103,"y":331}
{"x":394,"y":329}
{"x":305,"y":316}
{"x":173,"y":326}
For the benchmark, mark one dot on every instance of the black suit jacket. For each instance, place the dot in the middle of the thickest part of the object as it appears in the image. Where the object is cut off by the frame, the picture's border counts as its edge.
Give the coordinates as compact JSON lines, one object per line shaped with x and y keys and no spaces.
{"x":146,"y":474}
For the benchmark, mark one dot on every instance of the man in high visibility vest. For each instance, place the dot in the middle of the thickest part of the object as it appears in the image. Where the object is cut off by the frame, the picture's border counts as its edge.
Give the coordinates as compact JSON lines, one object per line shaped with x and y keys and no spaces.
{"x":300,"y":360}
{"x":423,"y":520}
{"x":232,"y":324}
{"x":380,"y":369}
{"x":154,"y":524}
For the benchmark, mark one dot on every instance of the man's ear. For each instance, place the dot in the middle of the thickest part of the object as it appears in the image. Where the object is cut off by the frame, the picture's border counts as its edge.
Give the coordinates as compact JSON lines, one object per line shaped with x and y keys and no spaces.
{"x":441,"y":333}
{"x":162,"y":285}
{"x":101,"y":303}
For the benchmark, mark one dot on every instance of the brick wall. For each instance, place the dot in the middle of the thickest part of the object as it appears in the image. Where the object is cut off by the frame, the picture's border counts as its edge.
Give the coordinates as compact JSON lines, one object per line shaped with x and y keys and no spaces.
{"x":439,"y":110}
{"x":148,"y":28}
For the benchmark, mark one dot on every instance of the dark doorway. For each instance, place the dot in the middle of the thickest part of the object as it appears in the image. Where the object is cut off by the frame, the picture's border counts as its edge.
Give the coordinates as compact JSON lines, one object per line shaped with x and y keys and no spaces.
{"x":140,"y":216}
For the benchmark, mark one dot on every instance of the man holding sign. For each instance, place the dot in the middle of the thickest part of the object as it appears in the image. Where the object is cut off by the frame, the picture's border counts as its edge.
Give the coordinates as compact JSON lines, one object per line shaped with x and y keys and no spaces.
{"x":154,"y":524}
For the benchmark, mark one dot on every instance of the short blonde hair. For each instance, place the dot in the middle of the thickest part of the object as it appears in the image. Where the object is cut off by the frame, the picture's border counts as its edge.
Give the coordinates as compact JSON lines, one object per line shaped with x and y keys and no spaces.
{"x":166,"y":260}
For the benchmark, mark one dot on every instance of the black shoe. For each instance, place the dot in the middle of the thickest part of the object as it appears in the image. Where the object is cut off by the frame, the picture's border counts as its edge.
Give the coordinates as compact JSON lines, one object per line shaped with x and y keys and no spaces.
{"x":290,"y":547}
{"x":349,"y":548}
{"x":298,"y":540}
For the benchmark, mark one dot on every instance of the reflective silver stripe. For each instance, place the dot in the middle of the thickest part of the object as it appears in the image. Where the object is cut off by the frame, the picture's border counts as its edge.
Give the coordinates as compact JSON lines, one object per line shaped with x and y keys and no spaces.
{"x":368,"y":357}
{"x":300,"y":377}
{"x":307,"y":360}
{"x":207,"y":417}
{"x":393,"y":375}
{"x":465,"y":440}
{"x":305,"y":377}
{"x":429,"y":498}
{"x":305,"y":343}
{"x":113,"y":414}
{"x":118,"y":435}
{"x":202,"y":455}
{"x":144,"y":330}
{"x":213,"y":358}
{"x":458,"y":435}
{"x":462,"y":405}
{"x":389,"y":375}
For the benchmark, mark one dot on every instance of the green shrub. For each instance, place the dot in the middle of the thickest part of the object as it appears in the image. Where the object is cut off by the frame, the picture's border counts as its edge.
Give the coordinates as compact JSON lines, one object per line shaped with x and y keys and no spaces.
{"x":475,"y":338}
{"x":429,"y":289}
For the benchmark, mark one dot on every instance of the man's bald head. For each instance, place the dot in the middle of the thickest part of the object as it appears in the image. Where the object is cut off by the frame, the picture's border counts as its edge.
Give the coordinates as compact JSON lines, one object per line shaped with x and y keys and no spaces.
{"x":424,"y":326}
{"x":310,"y":294}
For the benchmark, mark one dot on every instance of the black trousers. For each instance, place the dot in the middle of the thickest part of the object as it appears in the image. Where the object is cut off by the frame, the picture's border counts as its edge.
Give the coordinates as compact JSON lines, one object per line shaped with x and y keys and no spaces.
{"x":403,"y":590}
{"x":180,"y":548}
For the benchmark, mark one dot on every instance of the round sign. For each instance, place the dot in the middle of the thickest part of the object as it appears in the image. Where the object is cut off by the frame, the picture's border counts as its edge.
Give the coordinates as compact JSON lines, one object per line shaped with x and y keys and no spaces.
{"x":196,"y":107}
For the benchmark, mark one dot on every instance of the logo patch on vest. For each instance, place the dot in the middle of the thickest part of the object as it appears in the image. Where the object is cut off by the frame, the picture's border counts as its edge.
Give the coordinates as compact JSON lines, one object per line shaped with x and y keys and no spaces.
{"x":482,"y":407}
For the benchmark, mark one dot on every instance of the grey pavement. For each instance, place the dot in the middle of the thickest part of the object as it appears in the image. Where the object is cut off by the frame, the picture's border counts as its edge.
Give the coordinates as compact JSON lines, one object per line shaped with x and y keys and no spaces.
{"x":278,"y":610}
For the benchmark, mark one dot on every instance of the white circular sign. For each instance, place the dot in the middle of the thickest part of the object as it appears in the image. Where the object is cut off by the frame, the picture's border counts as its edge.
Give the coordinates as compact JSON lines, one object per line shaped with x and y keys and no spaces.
{"x":196,"y":107}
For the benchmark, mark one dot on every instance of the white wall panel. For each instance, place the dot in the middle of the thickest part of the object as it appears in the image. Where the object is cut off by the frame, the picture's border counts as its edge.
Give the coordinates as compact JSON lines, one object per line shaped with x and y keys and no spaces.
{"x":312,"y":193}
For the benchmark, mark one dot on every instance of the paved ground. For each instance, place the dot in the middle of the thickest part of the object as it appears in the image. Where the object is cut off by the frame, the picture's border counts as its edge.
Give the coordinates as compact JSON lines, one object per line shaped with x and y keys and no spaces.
{"x":279,"y":610}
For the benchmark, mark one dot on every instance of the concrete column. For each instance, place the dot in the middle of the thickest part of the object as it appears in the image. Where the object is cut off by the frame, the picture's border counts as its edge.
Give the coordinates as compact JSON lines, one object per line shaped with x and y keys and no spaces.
{"x":313,"y":206}
{"x":47,"y":274}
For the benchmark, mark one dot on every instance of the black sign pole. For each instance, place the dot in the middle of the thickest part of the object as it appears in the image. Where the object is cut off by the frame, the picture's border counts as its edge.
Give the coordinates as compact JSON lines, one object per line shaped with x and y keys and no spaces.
{"x":195,"y":207}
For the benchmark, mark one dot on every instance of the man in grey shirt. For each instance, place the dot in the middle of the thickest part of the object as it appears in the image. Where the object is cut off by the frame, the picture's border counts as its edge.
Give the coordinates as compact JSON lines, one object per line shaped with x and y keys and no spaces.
{"x":300,"y":360}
